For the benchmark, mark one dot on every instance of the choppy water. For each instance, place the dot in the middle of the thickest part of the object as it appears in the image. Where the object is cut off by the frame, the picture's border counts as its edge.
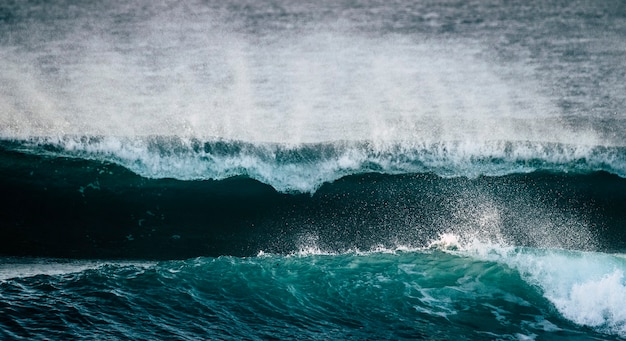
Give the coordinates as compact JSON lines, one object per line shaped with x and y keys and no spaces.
{"x":422,"y":294}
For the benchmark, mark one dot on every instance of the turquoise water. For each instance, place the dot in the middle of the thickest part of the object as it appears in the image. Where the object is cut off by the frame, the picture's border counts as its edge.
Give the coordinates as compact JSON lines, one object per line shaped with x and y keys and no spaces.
{"x":484,"y":293}
{"x":329,"y":170}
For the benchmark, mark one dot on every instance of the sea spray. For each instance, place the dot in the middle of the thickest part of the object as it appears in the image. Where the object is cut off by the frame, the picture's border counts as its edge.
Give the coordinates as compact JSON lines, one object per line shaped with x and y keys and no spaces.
{"x":290,"y":170}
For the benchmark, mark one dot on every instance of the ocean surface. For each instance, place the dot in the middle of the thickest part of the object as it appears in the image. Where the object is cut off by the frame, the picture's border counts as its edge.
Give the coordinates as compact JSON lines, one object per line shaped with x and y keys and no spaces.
{"x":329,"y":170}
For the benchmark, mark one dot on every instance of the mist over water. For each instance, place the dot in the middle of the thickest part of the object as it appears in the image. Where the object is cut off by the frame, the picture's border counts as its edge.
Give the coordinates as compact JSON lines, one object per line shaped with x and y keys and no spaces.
{"x":295,"y":73}
{"x":323,"y":170}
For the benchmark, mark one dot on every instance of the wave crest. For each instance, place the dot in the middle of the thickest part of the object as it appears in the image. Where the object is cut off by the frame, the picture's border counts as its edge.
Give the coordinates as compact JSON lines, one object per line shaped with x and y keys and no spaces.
{"x":305,"y":167}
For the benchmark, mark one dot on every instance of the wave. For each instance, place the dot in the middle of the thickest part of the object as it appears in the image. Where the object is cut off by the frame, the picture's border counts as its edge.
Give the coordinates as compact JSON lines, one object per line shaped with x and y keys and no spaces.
{"x":303,"y":168}
{"x":87,"y":207}
{"x":476,"y":290}
{"x":587,"y":288}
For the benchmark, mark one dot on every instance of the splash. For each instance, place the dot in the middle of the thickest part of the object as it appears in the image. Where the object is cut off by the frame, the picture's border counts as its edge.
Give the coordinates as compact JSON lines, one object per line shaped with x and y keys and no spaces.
{"x":203,"y":78}
{"x":587,"y":288}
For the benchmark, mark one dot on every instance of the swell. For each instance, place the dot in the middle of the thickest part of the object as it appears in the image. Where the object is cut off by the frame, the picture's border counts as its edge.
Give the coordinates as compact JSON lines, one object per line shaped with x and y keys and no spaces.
{"x":81,"y":208}
{"x":477,"y":293}
{"x":379,"y":295}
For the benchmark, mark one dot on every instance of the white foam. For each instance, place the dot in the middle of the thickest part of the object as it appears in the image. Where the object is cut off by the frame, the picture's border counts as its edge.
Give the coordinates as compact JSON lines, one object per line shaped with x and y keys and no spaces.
{"x":587,"y":288}
{"x":446,"y":241}
{"x":597,"y":302}
{"x":185,"y":159}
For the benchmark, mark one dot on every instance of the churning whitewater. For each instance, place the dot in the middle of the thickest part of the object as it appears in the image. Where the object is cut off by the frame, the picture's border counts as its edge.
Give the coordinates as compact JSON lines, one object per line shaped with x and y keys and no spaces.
{"x":332,"y":170}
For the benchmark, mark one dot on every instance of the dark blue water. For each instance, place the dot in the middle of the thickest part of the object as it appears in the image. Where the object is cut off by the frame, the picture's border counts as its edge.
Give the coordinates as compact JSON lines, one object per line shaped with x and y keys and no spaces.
{"x":331,"y":170}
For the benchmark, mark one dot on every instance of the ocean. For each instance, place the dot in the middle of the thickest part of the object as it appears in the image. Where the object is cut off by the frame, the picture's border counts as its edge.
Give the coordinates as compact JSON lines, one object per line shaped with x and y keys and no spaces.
{"x":358,"y":170}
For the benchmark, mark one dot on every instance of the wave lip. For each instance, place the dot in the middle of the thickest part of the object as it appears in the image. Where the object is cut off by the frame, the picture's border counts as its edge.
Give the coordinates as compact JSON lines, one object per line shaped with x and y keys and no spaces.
{"x":587,"y":288}
{"x":304,"y":168}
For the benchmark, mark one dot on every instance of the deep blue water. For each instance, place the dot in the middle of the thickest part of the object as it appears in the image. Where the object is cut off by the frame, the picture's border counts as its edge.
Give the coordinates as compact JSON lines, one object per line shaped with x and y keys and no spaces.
{"x":330,"y":170}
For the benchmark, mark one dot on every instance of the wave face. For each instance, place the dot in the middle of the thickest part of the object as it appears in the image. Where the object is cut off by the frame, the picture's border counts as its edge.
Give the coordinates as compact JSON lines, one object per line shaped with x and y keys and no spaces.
{"x":480,"y":292}
{"x":336,"y":169}
{"x":94,"y":208}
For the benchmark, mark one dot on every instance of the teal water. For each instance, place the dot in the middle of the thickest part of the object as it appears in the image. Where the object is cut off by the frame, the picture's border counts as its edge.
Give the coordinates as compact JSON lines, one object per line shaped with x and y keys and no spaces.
{"x":491,"y":293}
{"x":294,"y":170}
{"x":486,"y":293}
